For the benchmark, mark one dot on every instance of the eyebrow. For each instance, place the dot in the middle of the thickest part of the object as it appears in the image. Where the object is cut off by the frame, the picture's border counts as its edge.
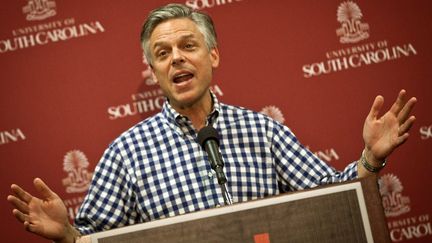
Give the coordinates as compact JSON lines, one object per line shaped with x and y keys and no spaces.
{"x":160,"y":43}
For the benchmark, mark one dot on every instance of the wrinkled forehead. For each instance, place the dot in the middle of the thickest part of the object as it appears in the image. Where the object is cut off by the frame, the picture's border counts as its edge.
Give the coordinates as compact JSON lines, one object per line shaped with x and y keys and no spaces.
{"x":174,"y":29}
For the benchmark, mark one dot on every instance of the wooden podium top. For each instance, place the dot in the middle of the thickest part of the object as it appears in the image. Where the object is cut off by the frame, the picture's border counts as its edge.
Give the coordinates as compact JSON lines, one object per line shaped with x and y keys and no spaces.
{"x":343,"y":212}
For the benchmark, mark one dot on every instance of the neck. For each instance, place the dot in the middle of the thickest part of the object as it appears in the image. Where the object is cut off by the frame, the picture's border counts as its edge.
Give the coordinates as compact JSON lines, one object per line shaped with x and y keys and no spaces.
{"x":198,"y":111}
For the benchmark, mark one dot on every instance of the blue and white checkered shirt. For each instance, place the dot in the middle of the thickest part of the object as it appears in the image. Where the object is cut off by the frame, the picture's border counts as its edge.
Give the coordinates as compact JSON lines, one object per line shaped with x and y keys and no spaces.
{"x":157,"y":168}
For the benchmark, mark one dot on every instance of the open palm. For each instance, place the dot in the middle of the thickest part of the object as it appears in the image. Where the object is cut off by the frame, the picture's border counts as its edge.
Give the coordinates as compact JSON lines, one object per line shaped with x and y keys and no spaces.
{"x":46,"y":217}
{"x":384,"y":134}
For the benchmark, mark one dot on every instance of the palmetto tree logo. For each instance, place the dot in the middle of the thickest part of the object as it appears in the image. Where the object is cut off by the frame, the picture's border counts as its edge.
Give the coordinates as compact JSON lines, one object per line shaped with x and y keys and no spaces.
{"x":394,"y":202}
{"x":146,"y":74}
{"x":39,"y":9}
{"x":352,"y":30}
{"x":75,"y":164}
{"x":273,"y":112}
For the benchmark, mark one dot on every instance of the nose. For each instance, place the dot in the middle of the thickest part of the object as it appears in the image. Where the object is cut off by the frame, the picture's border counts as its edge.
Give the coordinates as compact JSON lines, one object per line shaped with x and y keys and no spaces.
{"x":177,"y":57}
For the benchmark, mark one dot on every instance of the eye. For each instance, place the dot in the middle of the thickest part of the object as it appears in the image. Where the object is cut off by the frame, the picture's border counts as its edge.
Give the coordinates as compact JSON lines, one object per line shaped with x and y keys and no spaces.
{"x":189,"y":46}
{"x":161,"y":54}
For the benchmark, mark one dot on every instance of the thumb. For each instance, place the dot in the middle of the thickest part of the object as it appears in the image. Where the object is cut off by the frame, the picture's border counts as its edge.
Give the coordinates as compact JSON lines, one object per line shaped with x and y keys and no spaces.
{"x":376,"y":107}
{"x":44,"y":190}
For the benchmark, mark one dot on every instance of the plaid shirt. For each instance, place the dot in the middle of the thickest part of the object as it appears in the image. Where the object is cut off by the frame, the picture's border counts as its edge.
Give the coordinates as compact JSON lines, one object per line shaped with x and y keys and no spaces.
{"x":157,"y":169}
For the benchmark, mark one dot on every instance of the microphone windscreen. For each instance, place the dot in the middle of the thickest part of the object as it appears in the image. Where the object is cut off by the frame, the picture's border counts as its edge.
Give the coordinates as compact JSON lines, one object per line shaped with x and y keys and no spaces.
{"x":207,"y":133}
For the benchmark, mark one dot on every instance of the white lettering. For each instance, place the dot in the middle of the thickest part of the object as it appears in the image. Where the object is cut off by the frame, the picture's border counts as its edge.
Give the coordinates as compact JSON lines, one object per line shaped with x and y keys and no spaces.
{"x":349,"y":51}
{"x":327,"y":155}
{"x":42,"y":35}
{"x":201,"y":4}
{"x":73,"y":206}
{"x":216,"y":90}
{"x":410,"y":232}
{"x":423,"y":218}
{"x":11,"y":136}
{"x":426,"y":132}
{"x":352,"y":58}
{"x":146,"y":94}
{"x":144,"y":102}
{"x":382,"y":44}
{"x":138,"y":107}
{"x":69,"y":21}
{"x":37,"y":28}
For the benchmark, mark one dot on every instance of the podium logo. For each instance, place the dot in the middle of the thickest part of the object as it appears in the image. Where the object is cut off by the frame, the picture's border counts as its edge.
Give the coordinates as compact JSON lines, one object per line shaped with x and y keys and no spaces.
{"x":274,"y":113}
{"x":262,"y":238}
{"x":75,"y":164}
{"x":394,"y":202}
{"x":39,"y":9}
{"x":352,"y":30}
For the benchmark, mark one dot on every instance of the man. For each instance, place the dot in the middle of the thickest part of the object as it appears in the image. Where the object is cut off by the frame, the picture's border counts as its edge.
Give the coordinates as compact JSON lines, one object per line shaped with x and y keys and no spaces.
{"x":157,"y":169}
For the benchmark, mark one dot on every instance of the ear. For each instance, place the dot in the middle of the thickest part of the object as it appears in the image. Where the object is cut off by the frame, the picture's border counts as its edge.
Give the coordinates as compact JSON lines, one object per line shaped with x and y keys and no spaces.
{"x":214,"y":57}
{"x":153,"y":75}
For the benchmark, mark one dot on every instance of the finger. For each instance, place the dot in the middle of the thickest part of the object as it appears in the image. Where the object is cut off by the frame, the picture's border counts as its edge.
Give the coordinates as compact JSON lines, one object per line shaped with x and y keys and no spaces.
{"x":30,"y":227}
{"x":402,"y":139}
{"x":19,"y":215}
{"x":26,"y":225}
{"x":399,"y":103}
{"x":21,"y":194}
{"x":26,"y":222}
{"x":43,"y":189}
{"x":18,"y":204}
{"x":406,"y":110}
{"x":404,"y":128}
{"x":376,"y":107}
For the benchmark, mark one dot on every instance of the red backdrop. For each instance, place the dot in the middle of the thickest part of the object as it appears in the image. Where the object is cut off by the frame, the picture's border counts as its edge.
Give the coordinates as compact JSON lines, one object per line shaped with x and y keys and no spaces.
{"x":72,"y":79}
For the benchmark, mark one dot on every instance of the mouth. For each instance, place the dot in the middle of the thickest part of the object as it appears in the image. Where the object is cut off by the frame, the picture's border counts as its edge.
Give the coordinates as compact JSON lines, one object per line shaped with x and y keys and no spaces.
{"x":182,"y":77}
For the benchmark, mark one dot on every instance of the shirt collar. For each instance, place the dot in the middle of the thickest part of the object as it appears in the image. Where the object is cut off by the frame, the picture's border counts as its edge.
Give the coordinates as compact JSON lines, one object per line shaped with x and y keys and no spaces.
{"x":214,"y":114}
{"x":180,"y":122}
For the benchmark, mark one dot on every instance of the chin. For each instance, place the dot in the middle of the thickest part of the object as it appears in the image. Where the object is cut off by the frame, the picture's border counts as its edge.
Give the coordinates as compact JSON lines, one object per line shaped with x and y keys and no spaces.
{"x":189,"y":98}
{"x":185,"y":100}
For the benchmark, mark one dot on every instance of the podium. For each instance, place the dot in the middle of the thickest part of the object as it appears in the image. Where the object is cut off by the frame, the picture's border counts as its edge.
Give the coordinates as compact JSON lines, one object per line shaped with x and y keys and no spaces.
{"x":344,"y":212}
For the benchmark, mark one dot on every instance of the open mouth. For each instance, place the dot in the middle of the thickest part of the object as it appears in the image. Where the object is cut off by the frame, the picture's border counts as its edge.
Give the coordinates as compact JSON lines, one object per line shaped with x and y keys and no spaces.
{"x":182,"y":77}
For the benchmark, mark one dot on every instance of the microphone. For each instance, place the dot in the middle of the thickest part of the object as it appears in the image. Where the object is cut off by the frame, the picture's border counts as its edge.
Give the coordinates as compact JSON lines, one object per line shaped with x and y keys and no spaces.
{"x":208,"y":137}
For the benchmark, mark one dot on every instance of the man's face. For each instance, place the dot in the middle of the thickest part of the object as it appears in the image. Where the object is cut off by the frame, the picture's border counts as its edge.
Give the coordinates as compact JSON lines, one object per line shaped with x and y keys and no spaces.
{"x":182,"y":63}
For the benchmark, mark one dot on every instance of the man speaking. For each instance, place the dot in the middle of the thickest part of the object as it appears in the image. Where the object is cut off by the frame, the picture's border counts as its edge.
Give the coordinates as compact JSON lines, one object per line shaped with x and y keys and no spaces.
{"x":158,"y":169}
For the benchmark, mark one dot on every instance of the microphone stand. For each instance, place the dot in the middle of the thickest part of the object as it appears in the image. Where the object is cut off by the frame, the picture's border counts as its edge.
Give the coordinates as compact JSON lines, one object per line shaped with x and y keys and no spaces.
{"x":222,"y":182}
{"x":226,"y":196}
{"x":208,"y":138}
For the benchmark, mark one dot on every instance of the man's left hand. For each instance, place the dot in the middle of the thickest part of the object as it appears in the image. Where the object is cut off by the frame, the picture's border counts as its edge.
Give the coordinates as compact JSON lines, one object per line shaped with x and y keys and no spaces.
{"x":382,"y":135}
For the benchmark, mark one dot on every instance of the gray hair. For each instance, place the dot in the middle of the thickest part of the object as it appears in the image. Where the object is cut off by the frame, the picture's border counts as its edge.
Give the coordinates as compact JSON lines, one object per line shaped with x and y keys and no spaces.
{"x":175,"y":11}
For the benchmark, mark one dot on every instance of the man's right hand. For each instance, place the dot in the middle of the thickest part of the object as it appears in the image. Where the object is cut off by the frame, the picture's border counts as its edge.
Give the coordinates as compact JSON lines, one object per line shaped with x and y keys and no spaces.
{"x":45,"y":216}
